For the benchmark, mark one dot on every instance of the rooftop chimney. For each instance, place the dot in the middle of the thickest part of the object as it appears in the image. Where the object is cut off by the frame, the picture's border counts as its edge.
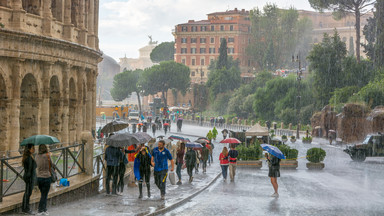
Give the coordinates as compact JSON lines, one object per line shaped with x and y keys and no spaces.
{"x":191,"y":21}
{"x":235,"y":9}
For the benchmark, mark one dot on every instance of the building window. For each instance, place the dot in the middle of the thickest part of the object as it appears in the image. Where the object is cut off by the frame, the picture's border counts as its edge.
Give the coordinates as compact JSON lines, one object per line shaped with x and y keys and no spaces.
{"x":183,"y":50}
{"x":201,"y":73}
{"x":202,"y":61}
{"x":212,"y":40}
{"x":193,"y":40}
{"x":202,"y":50}
{"x":193,"y":61}
{"x":221,"y":28}
{"x":194,"y":28}
{"x":193,"y":50}
{"x":212,"y":28}
{"x":249,"y":63}
{"x":211,"y":61}
{"x":184,"y":28}
{"x":203,"y":28}
{"x":211,"y":50}
{"x":193,"y":73}
{"x":231,"y":40}
{"x":183,"y":61}
{"x":231,"y":28}
{"x":231,"y":50}
{"x":183,"y":40}
{"x":203,"y":40}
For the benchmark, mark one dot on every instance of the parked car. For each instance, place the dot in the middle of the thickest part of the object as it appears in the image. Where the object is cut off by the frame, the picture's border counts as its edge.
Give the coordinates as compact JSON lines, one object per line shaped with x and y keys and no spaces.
{"x":372,"y":146}
{"x":133,"y":116}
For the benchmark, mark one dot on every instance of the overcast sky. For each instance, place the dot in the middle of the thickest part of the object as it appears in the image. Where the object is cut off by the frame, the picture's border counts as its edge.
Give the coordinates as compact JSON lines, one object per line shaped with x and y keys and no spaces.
{"x":124,"y":25}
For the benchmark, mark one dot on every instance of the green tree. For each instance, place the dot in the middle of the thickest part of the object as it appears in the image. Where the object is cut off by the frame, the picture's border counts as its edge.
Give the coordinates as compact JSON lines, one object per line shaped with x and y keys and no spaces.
{"x":223,"y":57}
{"x":379,"y":46}
{"x":369,"y":32}
{"x":276,"y":34}
{"x":126,"y":83}
{"x":163,"y":52}
{"x":326,"y":61}
{"x":167,"y":75}
{"x":342,"y":8}
{"x":223,"y":80}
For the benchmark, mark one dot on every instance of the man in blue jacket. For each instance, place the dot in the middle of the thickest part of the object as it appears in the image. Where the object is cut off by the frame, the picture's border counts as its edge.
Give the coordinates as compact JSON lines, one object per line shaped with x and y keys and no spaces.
{"x":160,"y":157}
{"x":112,"y":157}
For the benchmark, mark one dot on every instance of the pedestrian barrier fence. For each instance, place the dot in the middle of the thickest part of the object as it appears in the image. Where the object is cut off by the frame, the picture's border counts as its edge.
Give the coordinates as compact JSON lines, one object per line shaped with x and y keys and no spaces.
{"x":64,"y":159}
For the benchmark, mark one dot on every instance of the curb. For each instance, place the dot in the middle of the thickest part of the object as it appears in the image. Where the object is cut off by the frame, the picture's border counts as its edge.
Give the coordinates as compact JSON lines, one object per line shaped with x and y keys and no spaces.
{"x":179,"y":203}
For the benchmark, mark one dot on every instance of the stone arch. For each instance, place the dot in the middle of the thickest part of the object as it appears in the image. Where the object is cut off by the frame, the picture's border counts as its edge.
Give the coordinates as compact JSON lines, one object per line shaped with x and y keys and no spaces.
{"x":57,"y":9}
{"x":54,"y":107}
{"x":32,"y":6}
{"x":3,"y":115}
{"x":72,"y":105}
{"x":29,"y":106}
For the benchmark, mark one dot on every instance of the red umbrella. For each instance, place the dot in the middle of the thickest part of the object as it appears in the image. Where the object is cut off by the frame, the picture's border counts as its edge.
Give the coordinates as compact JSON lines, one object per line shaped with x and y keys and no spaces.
{"x":166,"y":124}
{"x":230,"y":140}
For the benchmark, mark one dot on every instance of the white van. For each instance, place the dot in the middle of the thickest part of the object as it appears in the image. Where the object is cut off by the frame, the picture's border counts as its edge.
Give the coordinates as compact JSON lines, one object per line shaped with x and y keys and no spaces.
{"x":133,"y":116}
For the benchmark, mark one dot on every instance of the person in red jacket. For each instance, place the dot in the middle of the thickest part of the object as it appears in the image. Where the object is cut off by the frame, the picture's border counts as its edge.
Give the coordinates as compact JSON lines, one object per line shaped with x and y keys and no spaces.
{"x":224,"y":162}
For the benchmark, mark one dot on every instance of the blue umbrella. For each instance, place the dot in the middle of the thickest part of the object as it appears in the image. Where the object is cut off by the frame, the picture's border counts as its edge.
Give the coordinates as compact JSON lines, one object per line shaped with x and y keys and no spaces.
{"x":273,"y":150}
{"x":193,"y":145}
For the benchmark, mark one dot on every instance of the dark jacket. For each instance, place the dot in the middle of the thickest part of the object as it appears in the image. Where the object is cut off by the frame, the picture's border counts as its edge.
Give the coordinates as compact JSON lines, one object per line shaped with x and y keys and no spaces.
{"x":205,"y":154}
{"x":190,"y":158}
{"x":274,"y":162}
{"x":180,"y":156}
{"x":112,"y":156}
{"x":145,"y":161}
{"x":232,"y":154}
{"x":29,"y":169}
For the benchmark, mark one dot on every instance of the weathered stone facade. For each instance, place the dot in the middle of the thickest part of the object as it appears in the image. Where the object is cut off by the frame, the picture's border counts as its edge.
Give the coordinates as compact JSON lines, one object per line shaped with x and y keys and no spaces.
{"x":48,"y":69}
{"x":351,"y":125}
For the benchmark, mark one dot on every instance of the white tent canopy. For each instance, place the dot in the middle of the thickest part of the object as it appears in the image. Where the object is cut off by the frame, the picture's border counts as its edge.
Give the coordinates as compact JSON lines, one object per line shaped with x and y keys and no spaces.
{"x":257,"y":130}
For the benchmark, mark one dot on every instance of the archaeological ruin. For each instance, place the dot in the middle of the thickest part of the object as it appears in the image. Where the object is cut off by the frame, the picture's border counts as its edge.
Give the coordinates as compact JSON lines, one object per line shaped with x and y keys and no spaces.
{"x":48,"y":68}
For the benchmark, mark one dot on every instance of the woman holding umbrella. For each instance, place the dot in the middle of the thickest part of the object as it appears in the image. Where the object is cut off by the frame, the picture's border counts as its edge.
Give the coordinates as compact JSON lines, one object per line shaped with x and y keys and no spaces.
{"x":43,"y":161}
{"x":179,"y":160}
{"x":274,"y":171}
{"x":142,"y":170}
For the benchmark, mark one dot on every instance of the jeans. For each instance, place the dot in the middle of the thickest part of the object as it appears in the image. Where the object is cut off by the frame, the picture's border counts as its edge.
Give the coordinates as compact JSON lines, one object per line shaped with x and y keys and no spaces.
{"x":178,"y":170}
{"x":224,"y":171}
{"x":232,"y":171}
{"x":27,"y":195}
{"x":160,"y":180}
{"x":112,"y":171}
{"x":190,"y":170}
{"x":120,"y":184}
{"x":44,"y":186}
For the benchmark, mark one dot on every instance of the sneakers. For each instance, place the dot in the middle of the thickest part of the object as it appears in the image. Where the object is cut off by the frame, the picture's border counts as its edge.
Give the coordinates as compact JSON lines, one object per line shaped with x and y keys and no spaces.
{"x":190,"y":179}
{"x":29,"y":212}
{"x":275,"y":195}
{"x":179,"y":183}
{"x":42,"y":213}
{"x":162,"y":197}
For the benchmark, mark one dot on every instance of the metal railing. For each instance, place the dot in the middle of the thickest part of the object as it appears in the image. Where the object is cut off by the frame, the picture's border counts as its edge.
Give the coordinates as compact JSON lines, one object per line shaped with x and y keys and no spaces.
{"x":64,"y":161}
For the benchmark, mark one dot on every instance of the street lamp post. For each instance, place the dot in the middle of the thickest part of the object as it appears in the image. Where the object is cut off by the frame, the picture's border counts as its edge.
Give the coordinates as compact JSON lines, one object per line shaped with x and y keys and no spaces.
{"x":299,"y":74}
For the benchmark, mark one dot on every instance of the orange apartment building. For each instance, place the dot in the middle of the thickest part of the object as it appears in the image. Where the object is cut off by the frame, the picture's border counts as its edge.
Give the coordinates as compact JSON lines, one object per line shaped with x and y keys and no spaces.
{"x":197,"y":43}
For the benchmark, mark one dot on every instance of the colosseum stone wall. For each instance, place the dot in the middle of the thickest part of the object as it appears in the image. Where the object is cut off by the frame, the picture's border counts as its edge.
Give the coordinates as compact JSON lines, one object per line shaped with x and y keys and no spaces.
{"x":48,"y":68}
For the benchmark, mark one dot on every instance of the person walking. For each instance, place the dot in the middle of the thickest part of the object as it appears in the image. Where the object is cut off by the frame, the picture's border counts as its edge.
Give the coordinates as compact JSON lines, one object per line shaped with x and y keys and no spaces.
{"x":122,"y":167}
{"x":232,"y":155}
{"x":190,"y":161}
{"x":205,"y":156}
{"x":166,"y":125}
{"x":154,"y":129}
{"x":112,"y":157}
{"x":29,"y":177}
{"x":224,"y":162}
{"x":43,"y":162}
{"x":179,"y":161}
{"x":143,"y":162}
{"x":274,"y":172}
{"x":159,"y":160}
{"x":133,"y":128}
{"x":198,"y":159}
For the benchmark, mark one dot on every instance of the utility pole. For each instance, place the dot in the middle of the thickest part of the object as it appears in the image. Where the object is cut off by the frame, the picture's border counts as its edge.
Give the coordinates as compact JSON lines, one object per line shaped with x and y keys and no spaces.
{"x":299,"y":74}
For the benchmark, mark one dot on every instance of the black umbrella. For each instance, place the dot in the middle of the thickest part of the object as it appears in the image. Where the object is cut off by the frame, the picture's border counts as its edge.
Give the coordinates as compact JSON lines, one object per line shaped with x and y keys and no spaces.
{"x":114,"y":126}
{"x":160,"y":137}
{"x":142,"y":137}
{"x":122,"y":140}
{"x":201,"y":141}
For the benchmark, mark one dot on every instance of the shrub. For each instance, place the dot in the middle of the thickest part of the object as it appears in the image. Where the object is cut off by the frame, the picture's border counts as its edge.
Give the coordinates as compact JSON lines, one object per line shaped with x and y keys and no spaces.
{"x":316,"y":155}
{"x":290,"y":153}
{"x":284,"y":137}
{"x":307,"y":139}
{"x":293,"y":137}
{"x":253,"y":152}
